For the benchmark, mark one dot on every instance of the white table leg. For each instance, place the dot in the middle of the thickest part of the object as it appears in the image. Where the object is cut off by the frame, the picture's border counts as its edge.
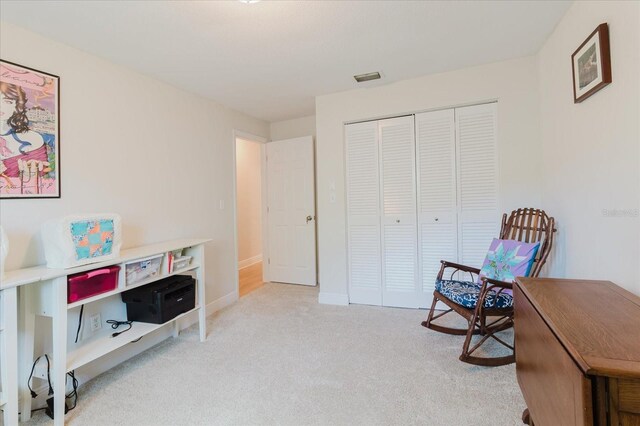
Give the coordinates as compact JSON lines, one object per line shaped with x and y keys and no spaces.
{"x":27,"y":336}
{"x":202,"y":301}
{"x":59,"y":348}
{"x":10,"y":355}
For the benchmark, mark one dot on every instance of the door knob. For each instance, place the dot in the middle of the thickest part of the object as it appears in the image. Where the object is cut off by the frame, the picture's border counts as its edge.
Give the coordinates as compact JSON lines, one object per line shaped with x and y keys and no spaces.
{"x":397,"y":220}
{"x":436,"y":219}
{"x":309,"y":219}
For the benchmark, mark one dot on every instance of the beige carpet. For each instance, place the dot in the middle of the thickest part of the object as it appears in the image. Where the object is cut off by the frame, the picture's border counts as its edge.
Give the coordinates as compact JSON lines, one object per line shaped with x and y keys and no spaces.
{"x":277,"y":357}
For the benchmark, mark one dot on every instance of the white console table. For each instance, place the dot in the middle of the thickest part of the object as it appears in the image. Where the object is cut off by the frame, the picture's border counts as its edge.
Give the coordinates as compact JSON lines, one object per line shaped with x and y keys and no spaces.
{"x":43,"y":291}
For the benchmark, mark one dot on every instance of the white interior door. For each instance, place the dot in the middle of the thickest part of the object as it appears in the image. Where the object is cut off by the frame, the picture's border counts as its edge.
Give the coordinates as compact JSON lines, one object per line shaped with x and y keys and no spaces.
{"x":477,"y":167}
{"x":437,"y":215}
{"x":363,"y":213}
{"x":291,"y":211}
{"x":396,"y":138}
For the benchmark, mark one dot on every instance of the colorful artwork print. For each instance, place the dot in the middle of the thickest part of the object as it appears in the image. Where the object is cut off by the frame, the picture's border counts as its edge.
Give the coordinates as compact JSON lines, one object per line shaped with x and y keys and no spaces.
{"x":29,"y":133}
{"x":92,"y":238}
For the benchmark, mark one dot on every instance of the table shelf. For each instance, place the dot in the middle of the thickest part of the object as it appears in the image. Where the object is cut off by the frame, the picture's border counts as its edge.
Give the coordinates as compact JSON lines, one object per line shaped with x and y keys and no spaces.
{"x":102,"y":346}
{"x":121,"y":289}
{"x":20,"y":277}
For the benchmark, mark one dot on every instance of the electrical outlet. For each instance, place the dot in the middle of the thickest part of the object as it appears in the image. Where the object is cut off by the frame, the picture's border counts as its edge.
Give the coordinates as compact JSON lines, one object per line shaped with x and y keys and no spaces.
{"x":95,"y":322}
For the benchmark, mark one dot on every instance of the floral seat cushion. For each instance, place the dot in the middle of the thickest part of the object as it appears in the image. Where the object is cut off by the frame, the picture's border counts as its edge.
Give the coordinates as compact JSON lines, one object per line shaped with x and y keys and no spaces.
{"x":465,"y":293}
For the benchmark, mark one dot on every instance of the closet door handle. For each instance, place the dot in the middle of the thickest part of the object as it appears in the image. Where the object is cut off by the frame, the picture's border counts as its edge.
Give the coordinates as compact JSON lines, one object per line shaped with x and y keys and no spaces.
{"x":397,"y":220}
{"x":436,"y":219}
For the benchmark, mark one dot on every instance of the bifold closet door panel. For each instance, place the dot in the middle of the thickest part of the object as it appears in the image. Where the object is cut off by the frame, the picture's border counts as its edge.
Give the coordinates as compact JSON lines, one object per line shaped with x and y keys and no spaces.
{"x":399,"y":232}
{"x":477,"y":166}
{"x":437,"y":221}
{"x":363,"y":213}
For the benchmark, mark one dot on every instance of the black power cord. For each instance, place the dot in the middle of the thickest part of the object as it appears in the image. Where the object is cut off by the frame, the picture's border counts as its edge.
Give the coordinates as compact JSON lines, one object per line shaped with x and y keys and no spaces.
{"x":33,"y":367}
{"x":115,"y":324}
{"x":73,"y":394}
{"x":79,"y":322}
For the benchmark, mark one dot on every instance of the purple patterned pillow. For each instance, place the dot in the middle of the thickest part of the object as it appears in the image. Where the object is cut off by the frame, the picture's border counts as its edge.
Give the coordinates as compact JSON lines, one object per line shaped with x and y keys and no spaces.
{"x":508,"y":259}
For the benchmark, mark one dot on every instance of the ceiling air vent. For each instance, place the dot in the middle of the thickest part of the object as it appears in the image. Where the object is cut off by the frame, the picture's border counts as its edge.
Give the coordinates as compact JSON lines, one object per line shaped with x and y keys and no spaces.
{"x":367,"y":77}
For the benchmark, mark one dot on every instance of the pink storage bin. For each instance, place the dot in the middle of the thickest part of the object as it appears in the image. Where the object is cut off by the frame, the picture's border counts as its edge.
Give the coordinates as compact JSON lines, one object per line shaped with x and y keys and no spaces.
{"x":86,"y":284}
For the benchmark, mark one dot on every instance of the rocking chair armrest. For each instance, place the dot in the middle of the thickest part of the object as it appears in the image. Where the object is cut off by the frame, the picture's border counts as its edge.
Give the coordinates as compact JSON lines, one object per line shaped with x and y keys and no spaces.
{"x":465,"y":268}
{"x":456,"y":267}
{"x":489,"y":284}
{"x":496,"y":283}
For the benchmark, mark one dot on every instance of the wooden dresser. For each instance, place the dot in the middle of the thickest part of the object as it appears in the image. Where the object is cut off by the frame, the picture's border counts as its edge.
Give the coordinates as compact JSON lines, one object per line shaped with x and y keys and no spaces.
{"x":577,"y":352}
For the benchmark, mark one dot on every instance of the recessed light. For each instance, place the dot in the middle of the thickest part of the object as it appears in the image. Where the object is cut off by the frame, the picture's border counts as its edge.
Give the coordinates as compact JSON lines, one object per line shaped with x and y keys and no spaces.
{"x":367,"y":77}
{"x":248,"y":1}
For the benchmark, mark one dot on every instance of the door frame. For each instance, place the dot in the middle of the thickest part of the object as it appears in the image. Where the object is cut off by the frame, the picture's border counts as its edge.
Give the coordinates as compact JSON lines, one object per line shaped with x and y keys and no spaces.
{"x":240,"y":134}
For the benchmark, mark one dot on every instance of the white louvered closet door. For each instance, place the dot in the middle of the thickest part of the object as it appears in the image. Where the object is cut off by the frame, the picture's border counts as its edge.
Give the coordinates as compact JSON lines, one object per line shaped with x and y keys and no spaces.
{"x":398,"y":193}
{"x":437,"y":221}
{"x":477,"y":165}
{"x":363,"y":213}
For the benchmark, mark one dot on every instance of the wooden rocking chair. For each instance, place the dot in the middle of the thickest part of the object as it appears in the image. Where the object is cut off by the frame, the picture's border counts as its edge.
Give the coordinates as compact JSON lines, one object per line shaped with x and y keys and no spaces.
{"x":527,"y":225}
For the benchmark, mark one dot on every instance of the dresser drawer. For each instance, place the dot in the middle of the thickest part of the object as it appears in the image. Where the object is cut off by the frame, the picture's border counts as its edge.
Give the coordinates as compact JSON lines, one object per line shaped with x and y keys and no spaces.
{"x":624,"y":397}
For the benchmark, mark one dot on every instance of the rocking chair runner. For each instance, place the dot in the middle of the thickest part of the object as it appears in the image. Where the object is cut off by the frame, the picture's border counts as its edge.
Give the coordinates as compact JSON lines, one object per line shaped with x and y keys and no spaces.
{"x":476,"y":302}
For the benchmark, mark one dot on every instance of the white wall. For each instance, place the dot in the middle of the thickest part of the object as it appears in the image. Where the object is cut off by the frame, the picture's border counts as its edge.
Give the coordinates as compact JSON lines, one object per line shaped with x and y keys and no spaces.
{"x":249,"y":200}
{"x":295,"y":128}
{"x":158,"y":156}
{"x":513,"y":83}
{"x":591,"y":150}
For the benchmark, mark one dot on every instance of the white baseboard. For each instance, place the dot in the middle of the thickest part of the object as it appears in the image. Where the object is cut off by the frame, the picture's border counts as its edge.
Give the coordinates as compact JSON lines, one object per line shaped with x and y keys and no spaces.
{"x":222,"y":302}
{"x":250,"y":261}
{"x":333,"y":298}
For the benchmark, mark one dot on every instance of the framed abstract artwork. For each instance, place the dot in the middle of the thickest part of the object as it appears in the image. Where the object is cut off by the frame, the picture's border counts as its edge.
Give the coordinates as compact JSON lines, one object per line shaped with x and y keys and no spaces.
{"x":29,"y":132}
{"x":591,"y":64}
